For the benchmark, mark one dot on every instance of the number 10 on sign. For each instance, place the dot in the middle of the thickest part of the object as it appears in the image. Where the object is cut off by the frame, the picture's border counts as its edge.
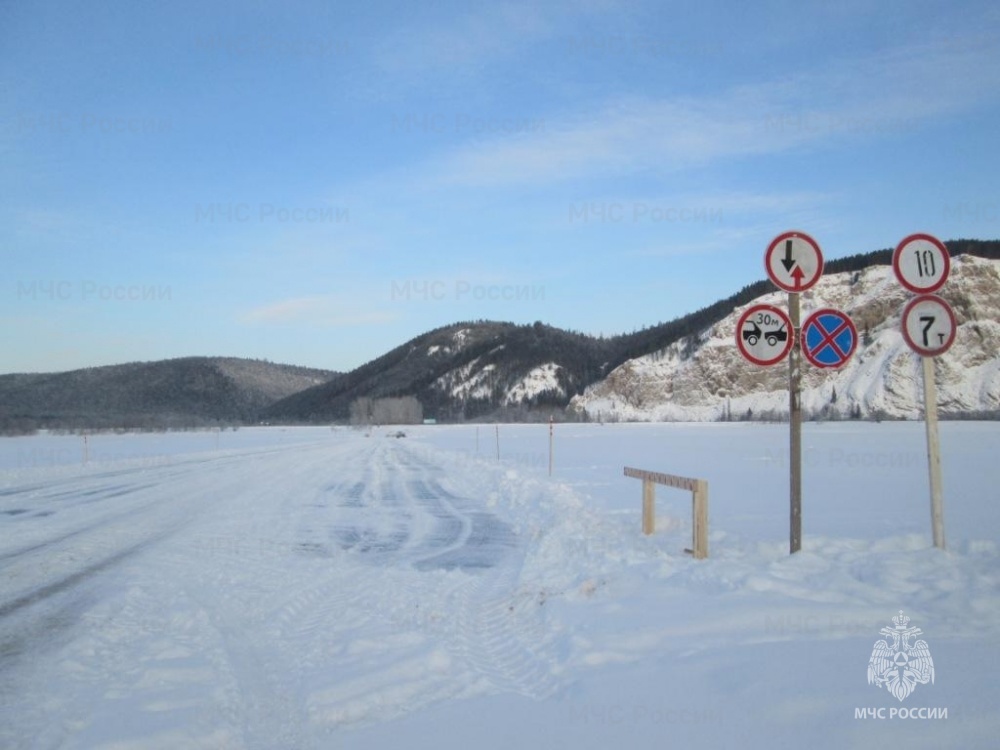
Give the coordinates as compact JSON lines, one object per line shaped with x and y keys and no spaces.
{"x":921,"y":263}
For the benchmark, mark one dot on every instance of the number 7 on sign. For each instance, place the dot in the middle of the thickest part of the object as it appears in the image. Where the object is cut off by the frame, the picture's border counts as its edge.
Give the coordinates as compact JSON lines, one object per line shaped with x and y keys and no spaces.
{"x":926,"y":318}
{"x":928,"y":321}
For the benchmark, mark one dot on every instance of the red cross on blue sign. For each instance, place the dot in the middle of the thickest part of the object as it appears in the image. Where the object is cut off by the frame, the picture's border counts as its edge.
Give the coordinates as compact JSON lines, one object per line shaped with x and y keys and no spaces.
{"x":829,"y":338}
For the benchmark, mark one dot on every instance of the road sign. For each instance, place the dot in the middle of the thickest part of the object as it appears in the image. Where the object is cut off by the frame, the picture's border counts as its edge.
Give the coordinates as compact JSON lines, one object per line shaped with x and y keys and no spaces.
{"x":794,"y":261}
{"x":921,"y":263}
{"x":764,"y":335}
{"x":829,"y":338}
{"x":929,"y":325}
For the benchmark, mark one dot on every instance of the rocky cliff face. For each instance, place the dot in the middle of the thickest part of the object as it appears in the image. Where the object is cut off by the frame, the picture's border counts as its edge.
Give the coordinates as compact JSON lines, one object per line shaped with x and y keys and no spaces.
{"x":706,"y":378}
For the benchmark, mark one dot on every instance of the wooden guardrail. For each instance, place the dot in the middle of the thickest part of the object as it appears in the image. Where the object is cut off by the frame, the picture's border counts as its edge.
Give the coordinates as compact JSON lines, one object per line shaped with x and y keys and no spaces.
{"x":699,"y":505}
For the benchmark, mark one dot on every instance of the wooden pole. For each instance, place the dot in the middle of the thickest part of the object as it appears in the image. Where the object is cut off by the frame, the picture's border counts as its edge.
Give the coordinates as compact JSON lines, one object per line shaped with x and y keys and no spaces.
{"x":648,"y":506}
{"x":795,"y":428}
{"x":550,"y":444}
{"x":700,"y":531}
{"x":933,"y":451}
{"x":498,"y":441}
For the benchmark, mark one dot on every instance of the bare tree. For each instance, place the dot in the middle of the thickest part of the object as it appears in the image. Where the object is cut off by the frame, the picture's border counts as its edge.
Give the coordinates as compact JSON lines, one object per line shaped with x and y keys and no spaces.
{"x":362,"y":412}
{"x":405,"y":410}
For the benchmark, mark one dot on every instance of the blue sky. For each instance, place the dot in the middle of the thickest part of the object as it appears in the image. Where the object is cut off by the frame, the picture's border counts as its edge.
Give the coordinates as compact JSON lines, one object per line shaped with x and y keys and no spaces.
{"x":316,"y":183}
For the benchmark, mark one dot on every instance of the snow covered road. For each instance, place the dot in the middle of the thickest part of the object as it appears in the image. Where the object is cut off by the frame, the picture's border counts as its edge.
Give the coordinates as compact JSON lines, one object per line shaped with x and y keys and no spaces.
{"x":314,"y":589}
{"x":238,"y":600}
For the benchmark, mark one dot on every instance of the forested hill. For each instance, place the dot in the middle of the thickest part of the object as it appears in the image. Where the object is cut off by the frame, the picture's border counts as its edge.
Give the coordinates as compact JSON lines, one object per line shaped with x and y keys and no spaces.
{"x":463,"y":371}
{"x":191,"y":391}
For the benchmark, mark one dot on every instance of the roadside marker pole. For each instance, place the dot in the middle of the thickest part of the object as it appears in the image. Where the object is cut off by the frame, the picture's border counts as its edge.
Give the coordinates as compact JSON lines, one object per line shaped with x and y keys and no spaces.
{"x":550,"y":444}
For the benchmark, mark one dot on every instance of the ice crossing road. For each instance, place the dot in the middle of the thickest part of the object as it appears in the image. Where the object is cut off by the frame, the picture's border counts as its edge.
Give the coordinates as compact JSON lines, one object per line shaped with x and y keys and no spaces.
{"x":314,"y":588}
{"x":260,"y":599}
{"x":399,"y":512}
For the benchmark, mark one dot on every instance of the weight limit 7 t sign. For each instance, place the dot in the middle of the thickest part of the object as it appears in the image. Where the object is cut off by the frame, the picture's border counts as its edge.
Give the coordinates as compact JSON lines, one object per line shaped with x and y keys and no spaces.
{"x":929,"y":325}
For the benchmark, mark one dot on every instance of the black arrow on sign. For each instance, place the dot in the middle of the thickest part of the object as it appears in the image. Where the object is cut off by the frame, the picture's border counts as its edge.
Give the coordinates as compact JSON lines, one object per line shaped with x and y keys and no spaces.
{"x":788,"y":261}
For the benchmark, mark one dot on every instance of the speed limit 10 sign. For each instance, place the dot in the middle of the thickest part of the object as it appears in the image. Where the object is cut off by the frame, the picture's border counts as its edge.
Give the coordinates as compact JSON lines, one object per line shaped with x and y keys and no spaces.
{"x":921,"y":263}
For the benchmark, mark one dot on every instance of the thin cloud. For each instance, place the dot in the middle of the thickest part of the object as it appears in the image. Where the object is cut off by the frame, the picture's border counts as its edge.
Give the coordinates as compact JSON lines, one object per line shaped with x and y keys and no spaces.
{"x":463,"y":43}
{"x":885,"y":95}
{"x":321,"y":312}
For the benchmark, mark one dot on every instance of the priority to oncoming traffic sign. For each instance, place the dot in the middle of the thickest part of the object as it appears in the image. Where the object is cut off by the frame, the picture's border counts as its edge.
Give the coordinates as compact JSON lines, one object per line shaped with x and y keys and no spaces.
{"x":794,"y":261}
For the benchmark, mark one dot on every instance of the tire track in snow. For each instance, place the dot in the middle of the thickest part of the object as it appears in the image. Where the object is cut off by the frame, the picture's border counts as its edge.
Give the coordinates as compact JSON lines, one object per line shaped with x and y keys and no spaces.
{"x":499,"y":633}
{"x":171,"y":617}
{"x":284,"y":640}
{"x":497,"y":625}
{"x":269,"y":711}
{"x":352,"y":619}
{"x":45,"y":583}
{"x":419,"y":598}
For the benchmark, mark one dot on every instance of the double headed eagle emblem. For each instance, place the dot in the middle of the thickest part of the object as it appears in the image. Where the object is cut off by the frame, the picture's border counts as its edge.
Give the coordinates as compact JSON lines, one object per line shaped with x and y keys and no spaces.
{"x":896,"y":663}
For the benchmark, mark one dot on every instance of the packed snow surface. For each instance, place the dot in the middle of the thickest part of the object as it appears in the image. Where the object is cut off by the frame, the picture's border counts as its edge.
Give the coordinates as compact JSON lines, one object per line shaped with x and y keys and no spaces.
{"x":317,"y":588}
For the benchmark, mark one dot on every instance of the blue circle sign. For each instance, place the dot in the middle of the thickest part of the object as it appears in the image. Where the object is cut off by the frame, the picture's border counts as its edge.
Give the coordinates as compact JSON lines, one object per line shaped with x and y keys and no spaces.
{"x":829,"y":338}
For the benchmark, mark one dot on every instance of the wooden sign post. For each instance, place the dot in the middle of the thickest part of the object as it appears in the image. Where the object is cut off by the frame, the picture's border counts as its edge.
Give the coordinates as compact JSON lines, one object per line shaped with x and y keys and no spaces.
{"x":921,"y":264}
{"x":795,"y":430}
{"x":794,"y":263}
{"x":933,"y":452}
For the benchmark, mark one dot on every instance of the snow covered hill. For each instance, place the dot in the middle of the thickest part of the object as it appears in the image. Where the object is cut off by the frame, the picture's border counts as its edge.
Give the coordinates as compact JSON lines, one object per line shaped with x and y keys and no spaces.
{"x":705,"y":378}
{"x":463,"y":371}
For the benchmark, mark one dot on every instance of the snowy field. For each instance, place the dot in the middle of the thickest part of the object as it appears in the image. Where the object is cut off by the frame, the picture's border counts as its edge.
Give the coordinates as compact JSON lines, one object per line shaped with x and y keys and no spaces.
{"x":313,"y":588}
